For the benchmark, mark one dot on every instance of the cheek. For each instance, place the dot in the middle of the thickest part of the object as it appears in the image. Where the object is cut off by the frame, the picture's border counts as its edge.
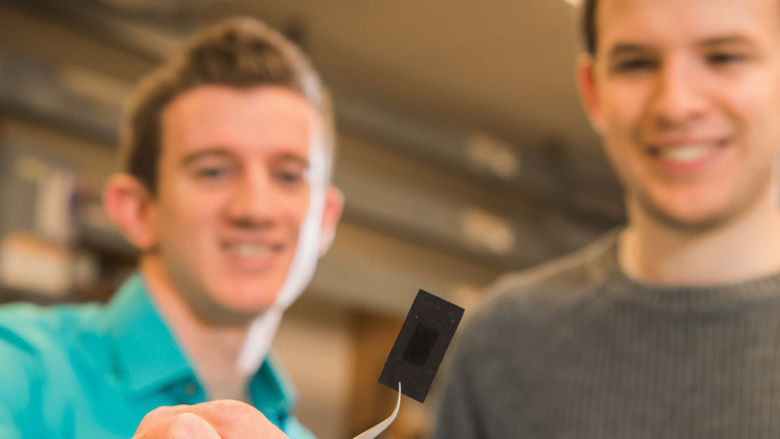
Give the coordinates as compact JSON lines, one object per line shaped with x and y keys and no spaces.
{"x":623,"y":108}
{"x":617,"y":155}
{"x":626,"y":159}
{"x":295,"y":221}
{"x":188,"y":213}
{"x":295,"y":208}
{"x":754,"y":98}
{"x":756,"y":115}
{"x":622,"y":115}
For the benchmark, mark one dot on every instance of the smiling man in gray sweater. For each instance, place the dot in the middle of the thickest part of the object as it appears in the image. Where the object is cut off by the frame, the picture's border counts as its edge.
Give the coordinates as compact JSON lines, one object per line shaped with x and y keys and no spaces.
{"x":669,"y":327}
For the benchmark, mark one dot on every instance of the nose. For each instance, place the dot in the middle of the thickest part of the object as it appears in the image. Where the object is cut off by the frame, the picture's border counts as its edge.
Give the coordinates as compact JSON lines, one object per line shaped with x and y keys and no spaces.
{"x":678,"y":95}
{"x":253,"y":201}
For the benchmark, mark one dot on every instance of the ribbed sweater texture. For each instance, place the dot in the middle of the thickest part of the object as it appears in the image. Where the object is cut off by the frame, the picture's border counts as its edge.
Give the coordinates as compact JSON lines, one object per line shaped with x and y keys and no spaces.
{"x":575,"y":349}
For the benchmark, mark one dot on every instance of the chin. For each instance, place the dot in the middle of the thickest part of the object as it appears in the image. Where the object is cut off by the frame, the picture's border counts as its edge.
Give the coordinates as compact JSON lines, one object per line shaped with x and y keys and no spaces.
{"x":252,"y":303}
{"x":687,"y":221}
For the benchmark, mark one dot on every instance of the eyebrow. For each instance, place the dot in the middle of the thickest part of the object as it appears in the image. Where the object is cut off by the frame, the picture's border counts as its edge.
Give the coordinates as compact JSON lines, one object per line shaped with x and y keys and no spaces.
{"x":220,"y":153}
{"x":627,"y":49}
{"x":634,"y":48}
{"x":198,"y":155}
{"x":287,"y":157}
{"x":728,"y":39}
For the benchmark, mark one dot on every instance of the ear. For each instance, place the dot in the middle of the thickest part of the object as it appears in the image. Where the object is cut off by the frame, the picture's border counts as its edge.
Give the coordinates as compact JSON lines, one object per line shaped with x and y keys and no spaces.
{"x":130,"y":207}
{"x":588,"y":91}
{"x":334,"y":205}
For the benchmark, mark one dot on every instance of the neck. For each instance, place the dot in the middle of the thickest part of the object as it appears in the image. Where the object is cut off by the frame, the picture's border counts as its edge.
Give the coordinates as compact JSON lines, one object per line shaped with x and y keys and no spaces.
{"x":212,"y":349}
{"x":746,"y":248}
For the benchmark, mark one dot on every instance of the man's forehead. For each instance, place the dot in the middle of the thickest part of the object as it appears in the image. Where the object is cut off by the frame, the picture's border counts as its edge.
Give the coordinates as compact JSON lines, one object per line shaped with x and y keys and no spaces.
{"x":220,"y":103}
{"x":669,"y":22}
{"x":260,"y":119}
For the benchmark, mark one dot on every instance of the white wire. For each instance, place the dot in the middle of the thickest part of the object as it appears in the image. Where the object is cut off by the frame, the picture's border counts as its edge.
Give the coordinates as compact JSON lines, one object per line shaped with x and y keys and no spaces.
{"x":376,"y":430}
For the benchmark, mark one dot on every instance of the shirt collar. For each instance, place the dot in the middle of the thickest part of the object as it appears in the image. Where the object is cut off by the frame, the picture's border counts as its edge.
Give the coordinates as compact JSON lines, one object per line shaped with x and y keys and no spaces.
{"x":145,"y":351}
{"x":272,"y":390}
{"x":148,"y":357}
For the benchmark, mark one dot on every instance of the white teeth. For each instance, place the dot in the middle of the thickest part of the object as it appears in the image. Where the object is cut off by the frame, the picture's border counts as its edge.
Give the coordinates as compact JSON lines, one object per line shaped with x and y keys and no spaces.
{"x":685,"y":154}
{"x":249,"y":250}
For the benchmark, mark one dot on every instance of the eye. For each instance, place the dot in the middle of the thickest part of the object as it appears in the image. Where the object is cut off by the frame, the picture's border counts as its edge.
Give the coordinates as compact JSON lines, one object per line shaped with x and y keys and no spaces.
{"x":724,"y":58}
{"x":211,"y":173}
{"x":289,"y":176}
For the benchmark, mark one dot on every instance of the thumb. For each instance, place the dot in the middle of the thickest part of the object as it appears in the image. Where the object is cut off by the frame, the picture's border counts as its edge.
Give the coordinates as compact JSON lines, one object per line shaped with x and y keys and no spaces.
{"x":181,"y":426}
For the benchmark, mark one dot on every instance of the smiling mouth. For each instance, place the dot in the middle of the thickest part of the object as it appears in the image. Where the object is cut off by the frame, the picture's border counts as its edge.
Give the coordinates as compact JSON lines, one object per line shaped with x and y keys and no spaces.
{"x":686,"y":153}
{"x":247,"y":250}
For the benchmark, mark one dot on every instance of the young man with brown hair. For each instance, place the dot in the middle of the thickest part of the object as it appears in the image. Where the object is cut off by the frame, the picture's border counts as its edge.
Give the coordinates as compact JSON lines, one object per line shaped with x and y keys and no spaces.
{"x":668,"y":327}
{"x":226,"y":194}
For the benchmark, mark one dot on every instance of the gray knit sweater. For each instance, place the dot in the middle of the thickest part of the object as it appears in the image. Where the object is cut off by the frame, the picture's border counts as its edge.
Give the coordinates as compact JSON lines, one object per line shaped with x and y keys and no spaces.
{"x":575,"y":349}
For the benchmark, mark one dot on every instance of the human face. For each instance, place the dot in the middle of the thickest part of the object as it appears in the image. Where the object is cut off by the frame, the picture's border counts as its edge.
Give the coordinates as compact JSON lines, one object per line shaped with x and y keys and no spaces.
{"x":233,"y":192}
{"x":686,"y":94}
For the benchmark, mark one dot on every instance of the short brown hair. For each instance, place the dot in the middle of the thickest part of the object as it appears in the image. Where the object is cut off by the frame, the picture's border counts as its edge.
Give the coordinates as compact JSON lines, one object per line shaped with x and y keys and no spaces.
{"x":588,"y":23}
{"x":240,"y":53}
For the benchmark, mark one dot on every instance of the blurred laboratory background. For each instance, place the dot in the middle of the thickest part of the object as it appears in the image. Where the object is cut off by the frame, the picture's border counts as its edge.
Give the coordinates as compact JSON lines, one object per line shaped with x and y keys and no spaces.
{"x":462,"y":150}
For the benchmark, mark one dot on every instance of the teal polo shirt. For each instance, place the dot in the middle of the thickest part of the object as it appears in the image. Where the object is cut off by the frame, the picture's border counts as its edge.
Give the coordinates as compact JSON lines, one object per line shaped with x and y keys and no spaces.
{"x":93,"y":371}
